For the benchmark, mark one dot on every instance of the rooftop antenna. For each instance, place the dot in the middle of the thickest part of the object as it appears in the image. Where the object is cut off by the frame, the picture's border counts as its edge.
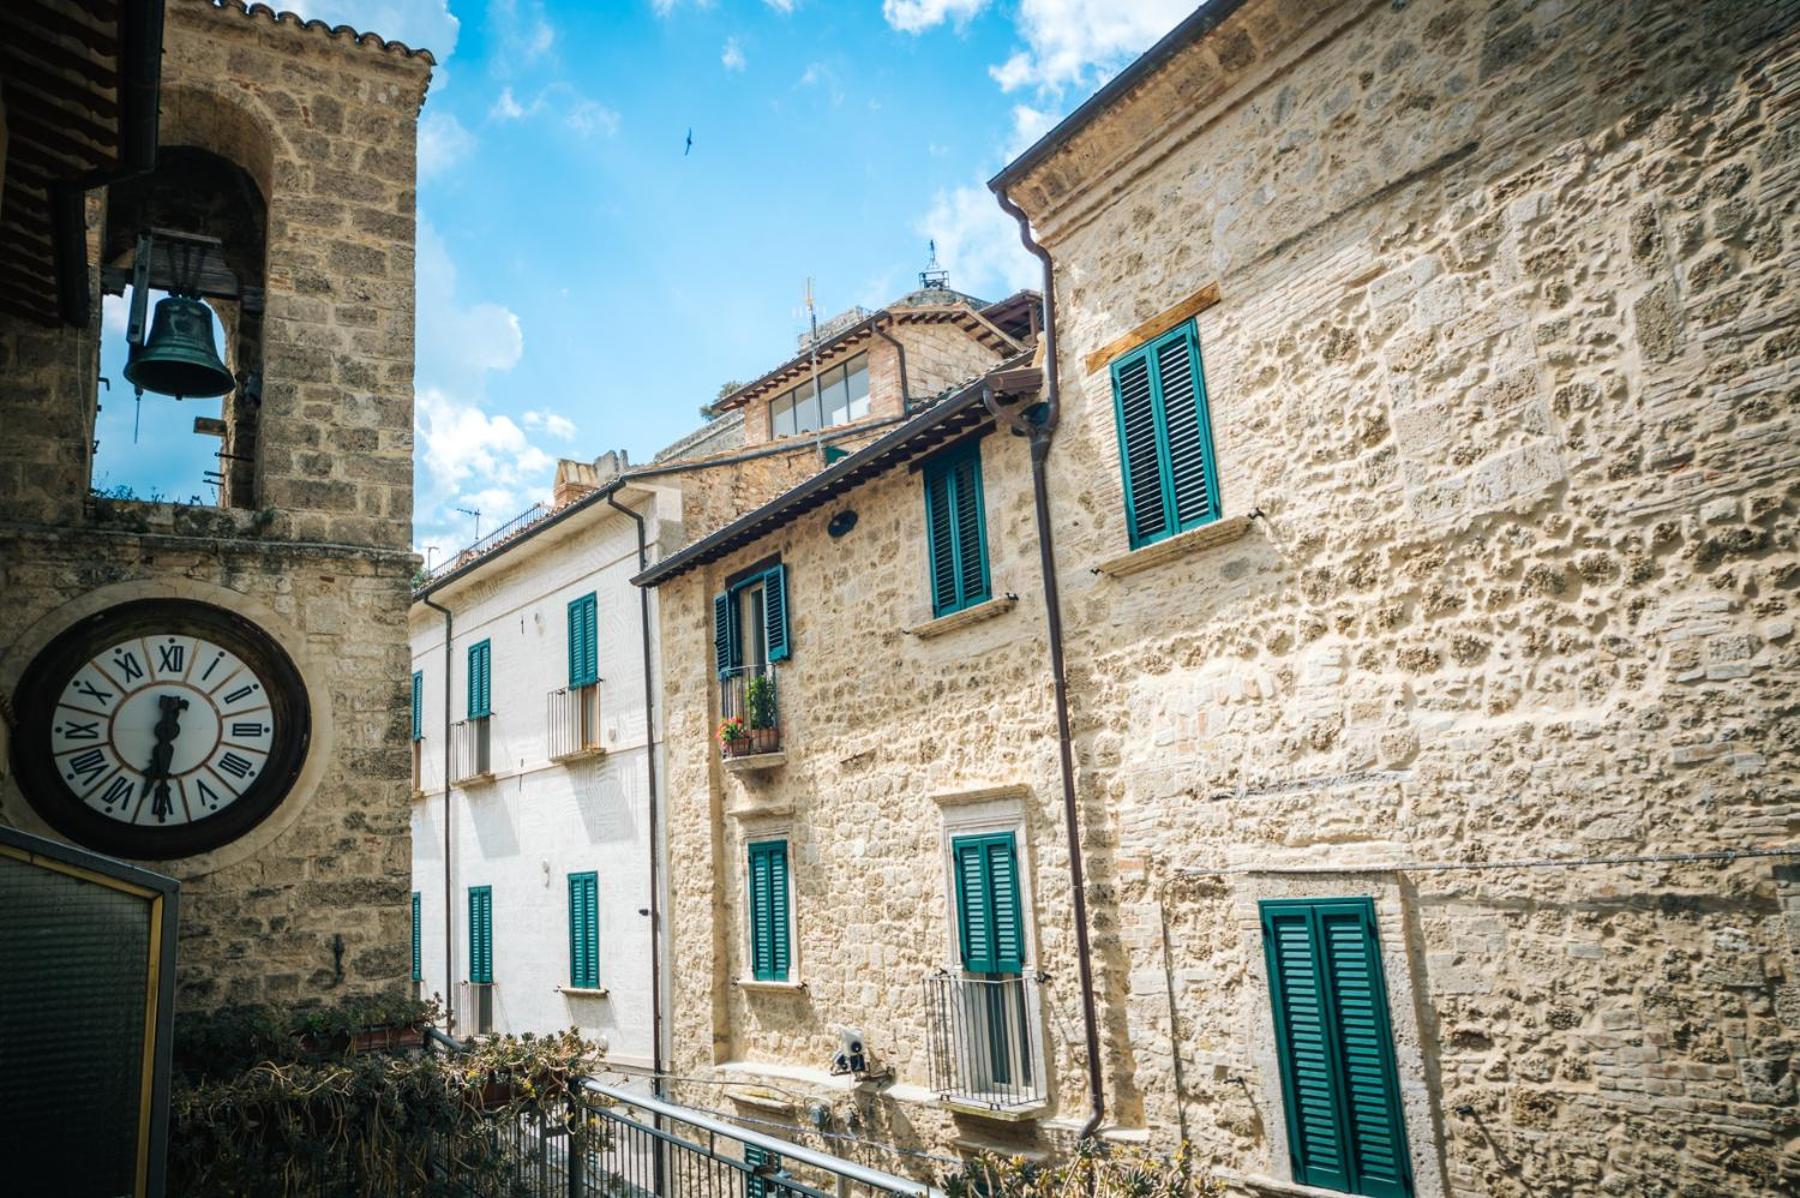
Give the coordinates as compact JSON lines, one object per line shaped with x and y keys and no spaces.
{"x":475,"y":512}
{"x":933,"y":277}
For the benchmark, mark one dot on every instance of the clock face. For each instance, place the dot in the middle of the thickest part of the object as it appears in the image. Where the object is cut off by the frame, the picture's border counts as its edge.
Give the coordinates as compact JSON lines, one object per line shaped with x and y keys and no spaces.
{"x":159,"y":729}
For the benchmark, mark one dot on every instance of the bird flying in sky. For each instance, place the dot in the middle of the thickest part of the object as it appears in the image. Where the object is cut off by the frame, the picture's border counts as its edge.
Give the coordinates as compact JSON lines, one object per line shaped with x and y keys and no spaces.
{"x":689,"y":148}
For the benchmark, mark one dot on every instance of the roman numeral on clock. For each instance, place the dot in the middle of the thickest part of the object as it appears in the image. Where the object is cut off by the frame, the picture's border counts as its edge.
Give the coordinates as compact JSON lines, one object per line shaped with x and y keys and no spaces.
{"x":237,"y":767}
{"x":93,"y":692}
{"x":208,"y":795}
{"x":117,"y":790}
{"x":87,"y":766}
{"x":251,"y":728}
{"x":173,"y":658}
{"x":240,"y":692}
{"x":128,"y":662}
{"x":76,"y":730}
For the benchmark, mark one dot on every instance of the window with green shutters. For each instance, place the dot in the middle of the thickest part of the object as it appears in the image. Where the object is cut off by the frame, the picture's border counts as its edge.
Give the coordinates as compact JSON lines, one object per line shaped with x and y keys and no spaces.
{"x":481,"y":680}
{"x":418,"y":960}
{"x":989,"y":922}
{"x":418,"y":705}
{"x":1165,"y":437}
{"x":584,"y":931}
{"x":584,"y":648}
{"x":729,"y":640}
{"x":769,"y":919}
{"x":763,"y":1187}
{"x":1336,"y":1049}
{"x":955,"y":530}
{"x":481,"y":933}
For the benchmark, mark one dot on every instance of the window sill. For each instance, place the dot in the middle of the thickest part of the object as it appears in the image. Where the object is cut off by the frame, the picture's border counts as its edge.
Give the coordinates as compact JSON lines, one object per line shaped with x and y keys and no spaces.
{"x":579,"y":754}
{"x":976,"y":1110}
{"x":1207,"y":536}
{"x":481,"y":779}
{"x":1259,"y":1184}
{"x":754,"y":986}
{"x":417,"y":795}
{"x":987,"y":609}
{"x":584,"y":991}
{"x":754,"y":763}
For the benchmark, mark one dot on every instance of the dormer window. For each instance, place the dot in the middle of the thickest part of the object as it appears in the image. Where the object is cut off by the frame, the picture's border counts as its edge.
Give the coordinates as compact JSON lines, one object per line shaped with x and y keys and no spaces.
{"x":842,"y":396}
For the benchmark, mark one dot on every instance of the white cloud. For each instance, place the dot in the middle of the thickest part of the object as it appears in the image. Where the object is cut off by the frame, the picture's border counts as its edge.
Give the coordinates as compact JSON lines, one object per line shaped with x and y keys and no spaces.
{"x":443,"y":142}
{"x":525,"y":36}
{"x":663,"y":8}
{"x":733,"y":55}
{"x":916,"y":16}
{"x":1065,"y":39}
{"x":456,"y":341}
{"x":507,"y":107}
{"x":115,"y":312}
{"x":589,"y":117}
{"x":978,"y":243}
{"x":420,"y":24}
{"x":579,"y":113}
{"x":554,"y":423}
{"x":1029,"y":124}
{"x":781,"y":6}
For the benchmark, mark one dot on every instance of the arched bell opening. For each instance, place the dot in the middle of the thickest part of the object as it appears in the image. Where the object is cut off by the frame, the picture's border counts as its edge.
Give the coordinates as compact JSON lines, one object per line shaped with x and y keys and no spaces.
{"x":195,"y":230}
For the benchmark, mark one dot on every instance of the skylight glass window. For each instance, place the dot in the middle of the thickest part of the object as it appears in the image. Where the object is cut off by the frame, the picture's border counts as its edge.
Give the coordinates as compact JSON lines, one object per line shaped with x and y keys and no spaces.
{"x":842,"y":396}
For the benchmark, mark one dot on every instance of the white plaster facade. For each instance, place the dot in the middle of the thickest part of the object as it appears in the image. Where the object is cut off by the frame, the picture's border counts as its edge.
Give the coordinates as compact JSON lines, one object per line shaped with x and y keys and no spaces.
{"x":534,"y":821}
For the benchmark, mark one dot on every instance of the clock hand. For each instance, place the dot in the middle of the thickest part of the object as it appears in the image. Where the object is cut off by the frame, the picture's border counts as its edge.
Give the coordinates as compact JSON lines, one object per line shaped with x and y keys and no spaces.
{"x":168,"y":727}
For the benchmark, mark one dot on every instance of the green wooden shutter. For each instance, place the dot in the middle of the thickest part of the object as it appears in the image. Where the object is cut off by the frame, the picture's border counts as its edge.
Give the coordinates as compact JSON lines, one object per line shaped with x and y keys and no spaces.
{"x":1336,"y":1050}
{"x":418,"y":705}
{"x":584,"y":930}
{"x":584,"y":649}
{"x":990,"y":922}
{"x":940,"y":542}
{"x":1140,"y":459}
{"x":1181,"y":393}
{"x":481,"y":933}
{"x":971,"y":528}
{"x":769,"y":948}
{"x":418,"y":944}
{"x":480,"y":680}
{"x":759,"y":1187}
{"x":775,"y":613}
{"x":724,"y":634}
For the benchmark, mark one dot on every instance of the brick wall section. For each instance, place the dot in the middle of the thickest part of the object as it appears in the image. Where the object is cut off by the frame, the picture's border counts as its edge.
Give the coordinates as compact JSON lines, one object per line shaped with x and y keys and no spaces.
{"x":326,"y":126}
{"x":1502,"y":357}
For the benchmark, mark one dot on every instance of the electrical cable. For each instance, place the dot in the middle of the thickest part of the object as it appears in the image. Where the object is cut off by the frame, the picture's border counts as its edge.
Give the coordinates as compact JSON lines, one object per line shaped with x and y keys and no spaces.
{"x":1399,"y":867}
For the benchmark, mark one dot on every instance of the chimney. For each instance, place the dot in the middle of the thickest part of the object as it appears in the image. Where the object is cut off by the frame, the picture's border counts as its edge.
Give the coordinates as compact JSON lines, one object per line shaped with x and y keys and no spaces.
{"x":575,"y":479}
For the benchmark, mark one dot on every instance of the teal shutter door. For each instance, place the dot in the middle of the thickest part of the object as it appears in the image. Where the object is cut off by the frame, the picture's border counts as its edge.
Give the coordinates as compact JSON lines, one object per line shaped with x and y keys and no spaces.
{"x":418,"y":705}
{"x":584,"y":930}
{"x":940,"y":541}
{"x":480,"y":679}
{"x":769,"y":949}
{"x":955,"y":530}
{"x":724,"y":642}
{"x":1182,"y":392}
{"x":759,"y":1187}
{"x":481,"y":934}
{"x":990,"y":922}
{"x":1145,"y":518}
{"x":418,"y":944}
{"x":775,"y":613}
{"x":1339,"y":1082}
{"x":584,"y":646}
{"x":971,"y":533}
{"x":974,"y":920}
{"x":1003,"y":902}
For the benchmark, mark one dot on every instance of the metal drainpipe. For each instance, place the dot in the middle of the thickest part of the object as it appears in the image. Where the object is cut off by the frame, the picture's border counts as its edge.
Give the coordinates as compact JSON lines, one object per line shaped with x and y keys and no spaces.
{"x":449,"y":936}
{"x":656,"y":1010}
{"x":1040,"y":434}
{"x":905,"y":391}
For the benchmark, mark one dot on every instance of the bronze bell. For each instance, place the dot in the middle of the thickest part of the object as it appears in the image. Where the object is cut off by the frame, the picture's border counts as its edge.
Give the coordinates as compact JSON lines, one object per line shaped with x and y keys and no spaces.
{"x":178,"y":357}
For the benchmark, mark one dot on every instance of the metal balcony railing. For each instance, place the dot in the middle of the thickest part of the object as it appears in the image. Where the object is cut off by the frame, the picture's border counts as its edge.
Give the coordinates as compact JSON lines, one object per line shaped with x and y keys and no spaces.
{"x":750,"y":700}
{"x":572,"y":721}
{"x":471,"y":748}
{"x":984,"y":1046}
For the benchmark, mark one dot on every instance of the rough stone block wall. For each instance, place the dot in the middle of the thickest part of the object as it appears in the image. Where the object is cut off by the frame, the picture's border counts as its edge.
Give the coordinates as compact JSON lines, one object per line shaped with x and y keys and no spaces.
{"x":324,"y":123}
{"x":1502,"y":355}
{"x":1502,"y":358}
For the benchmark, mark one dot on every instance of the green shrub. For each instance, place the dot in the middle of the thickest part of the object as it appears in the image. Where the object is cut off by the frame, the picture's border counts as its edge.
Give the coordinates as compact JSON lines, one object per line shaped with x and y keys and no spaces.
{"x":1093,"y":1169}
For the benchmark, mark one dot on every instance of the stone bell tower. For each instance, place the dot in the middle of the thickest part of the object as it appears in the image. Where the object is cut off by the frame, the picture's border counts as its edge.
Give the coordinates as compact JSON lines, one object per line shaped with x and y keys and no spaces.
{"x":285,"y":150}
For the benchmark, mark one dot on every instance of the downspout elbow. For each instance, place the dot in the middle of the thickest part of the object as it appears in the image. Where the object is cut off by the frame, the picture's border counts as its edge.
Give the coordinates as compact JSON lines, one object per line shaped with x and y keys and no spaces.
{"x":900,"y":350}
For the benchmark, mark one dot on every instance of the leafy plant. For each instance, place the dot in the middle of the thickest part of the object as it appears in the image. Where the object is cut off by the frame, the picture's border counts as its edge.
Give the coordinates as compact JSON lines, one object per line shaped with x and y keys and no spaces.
{"x":272,"y":1101}
{"x":1093,"y":1169}
{"x":759,"y":697}
{"x":731,"y":730}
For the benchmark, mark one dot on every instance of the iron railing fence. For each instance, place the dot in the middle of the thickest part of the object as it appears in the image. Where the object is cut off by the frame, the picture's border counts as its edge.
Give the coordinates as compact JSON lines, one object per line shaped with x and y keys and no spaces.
{"x":572,"y":721}
{"x":985,"y":1049}
{"x":606,"y":1142}
{"x":471,"y":748}
{"x":751,"y":695}
{"x":480,"y":545}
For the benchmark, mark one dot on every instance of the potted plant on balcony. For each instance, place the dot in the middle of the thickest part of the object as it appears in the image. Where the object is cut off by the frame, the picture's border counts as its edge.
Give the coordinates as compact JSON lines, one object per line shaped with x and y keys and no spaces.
{"x":733,"y":739}
{"x":759,"y":698}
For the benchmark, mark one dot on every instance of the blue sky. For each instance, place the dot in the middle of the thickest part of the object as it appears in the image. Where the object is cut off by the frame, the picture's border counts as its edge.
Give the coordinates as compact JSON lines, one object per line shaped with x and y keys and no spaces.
{"x":583,"y":285}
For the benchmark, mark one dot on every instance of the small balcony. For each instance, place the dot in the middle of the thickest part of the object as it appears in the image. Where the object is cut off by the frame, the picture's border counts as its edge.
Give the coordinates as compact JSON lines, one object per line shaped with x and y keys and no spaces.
{"x":750,"y":718}
{"x":572,"y":722}
{"x":471,"y":750}
{"x":986,"y":1052}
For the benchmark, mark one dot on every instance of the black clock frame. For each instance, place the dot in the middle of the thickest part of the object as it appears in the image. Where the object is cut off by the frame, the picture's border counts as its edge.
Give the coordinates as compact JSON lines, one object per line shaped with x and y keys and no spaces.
{"x":48,"y":674}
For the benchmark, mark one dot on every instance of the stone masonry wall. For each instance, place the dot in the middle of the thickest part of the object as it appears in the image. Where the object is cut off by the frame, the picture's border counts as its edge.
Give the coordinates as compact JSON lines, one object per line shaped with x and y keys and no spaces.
{"x":1503,"y":356}
{"x":313,"y":902}
{"x":1502,"y":365}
